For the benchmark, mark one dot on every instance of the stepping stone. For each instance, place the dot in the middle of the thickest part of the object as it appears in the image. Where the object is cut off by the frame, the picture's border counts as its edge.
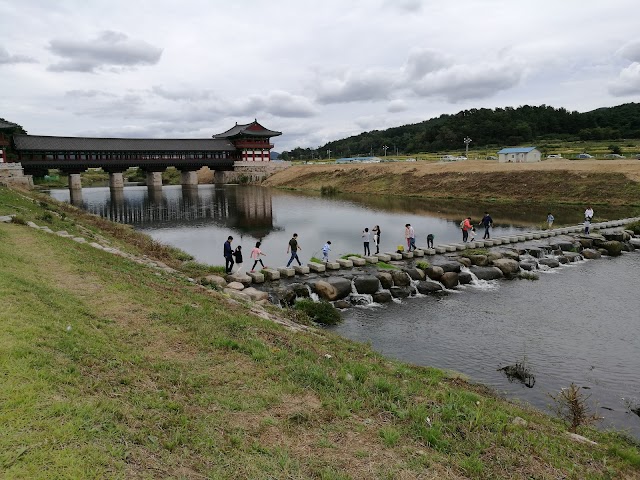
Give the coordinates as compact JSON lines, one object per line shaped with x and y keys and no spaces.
{"x":301,"y":270}
{"x":344,"y":263}
{"x":528,"y":236}
{"x":332,"y":265}
{"x":358,"y":262}
{"x":406,"y":255}
{"x":429,"y":251}
{"x":286,"y":272}
{"x":62,"y":233}
{"x":256,"y":277}
{"x":450,"y":248}
{"x":496,"y":241}
{"x":460,"y":246}
{"x":271,"y":274}
{"x":513,"y":239}
{"x":440,"y":249}
{"x":393,"y":256}
{"x":522,"y":238}
{"x":383,"y":257}
{"x":6,"y":219}
{"x":79,"y":240}
{"x":370,"y":259}
{"x":32,"y":225}
{"x":536,"y":236}
{"x":316,"y":267}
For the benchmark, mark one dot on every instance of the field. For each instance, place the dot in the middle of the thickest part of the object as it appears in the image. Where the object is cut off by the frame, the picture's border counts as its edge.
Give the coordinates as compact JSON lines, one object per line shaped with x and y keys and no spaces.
{"x":557,"y":181}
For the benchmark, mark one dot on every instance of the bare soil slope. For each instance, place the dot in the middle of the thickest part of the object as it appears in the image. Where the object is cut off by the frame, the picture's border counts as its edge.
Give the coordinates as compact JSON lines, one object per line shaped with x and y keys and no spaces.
{"x":615,"y":182}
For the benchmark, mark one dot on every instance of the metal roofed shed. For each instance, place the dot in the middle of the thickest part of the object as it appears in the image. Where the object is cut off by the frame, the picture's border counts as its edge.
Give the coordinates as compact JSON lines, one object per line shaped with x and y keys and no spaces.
{"x":519,"y":155}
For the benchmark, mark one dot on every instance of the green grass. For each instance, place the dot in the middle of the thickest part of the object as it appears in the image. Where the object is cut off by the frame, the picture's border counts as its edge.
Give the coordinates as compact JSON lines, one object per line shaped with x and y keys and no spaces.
{"x":386,"y":266}
{"x":159,"y":378}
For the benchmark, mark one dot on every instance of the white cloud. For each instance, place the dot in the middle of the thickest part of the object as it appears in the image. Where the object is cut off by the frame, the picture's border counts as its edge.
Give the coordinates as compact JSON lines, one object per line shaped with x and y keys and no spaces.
{"x":628,"y":82}
{"x":397,"y":105}
{"x":7,"y":59}
{"x":109,"y":49}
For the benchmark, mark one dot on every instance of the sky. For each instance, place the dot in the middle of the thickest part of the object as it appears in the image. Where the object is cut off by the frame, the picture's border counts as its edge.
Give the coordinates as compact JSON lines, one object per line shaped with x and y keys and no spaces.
{"x":316,"y":71}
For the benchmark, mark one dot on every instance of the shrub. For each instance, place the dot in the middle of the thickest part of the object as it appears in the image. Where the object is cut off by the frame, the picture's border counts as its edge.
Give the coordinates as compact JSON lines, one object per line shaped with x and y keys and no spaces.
{"x":571,"y":406}
{"x":635,"y":227}
{"x":329,"y":190}
{"x":19,"y":220}
{"x":320,"y":312}
{"x":423,"y":265}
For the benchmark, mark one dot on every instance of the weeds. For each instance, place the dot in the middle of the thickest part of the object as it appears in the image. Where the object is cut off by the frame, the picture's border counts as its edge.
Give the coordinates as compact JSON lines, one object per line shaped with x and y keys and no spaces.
{"x":571,"y":406}
{"x":329,"y":190}
{"x":320,"y":312}
{"x":423,"y":265}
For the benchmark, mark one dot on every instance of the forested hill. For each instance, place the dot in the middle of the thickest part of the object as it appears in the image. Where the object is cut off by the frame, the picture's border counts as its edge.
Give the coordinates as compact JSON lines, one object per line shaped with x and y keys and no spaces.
{"x":498,"y":127}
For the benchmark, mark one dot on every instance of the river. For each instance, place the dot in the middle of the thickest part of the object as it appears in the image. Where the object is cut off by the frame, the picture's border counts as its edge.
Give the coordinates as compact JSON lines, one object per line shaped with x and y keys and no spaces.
{"x":576,"y":324}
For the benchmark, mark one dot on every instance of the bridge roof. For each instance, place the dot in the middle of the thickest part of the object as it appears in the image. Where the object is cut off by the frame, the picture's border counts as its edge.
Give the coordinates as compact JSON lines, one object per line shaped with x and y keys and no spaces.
{"x":253,"y":129}
{"x":37,"y":143}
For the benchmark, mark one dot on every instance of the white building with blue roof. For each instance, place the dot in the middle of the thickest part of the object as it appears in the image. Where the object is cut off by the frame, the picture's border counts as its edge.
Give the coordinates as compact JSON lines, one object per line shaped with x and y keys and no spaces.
{"x":519,"y":155}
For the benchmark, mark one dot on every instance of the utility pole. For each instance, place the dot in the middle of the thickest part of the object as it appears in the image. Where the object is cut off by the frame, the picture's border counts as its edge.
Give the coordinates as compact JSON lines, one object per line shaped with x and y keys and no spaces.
{"x":329,"y":153}
{"x":466,"y":141}
{"x":385,"y":148}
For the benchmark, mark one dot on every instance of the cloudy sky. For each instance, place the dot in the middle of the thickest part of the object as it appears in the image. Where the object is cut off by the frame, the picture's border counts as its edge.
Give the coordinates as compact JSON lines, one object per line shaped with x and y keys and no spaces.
{"x":317,"y":71}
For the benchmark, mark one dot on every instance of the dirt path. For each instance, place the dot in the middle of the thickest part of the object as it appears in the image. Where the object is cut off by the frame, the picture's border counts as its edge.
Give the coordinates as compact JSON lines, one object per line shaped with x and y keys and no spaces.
{"x":615,"y":182}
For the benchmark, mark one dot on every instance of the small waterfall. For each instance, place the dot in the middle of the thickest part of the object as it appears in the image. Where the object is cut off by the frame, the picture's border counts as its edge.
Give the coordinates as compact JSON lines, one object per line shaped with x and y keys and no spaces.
{"x":359,"y":299}
{"x":477,"y":283}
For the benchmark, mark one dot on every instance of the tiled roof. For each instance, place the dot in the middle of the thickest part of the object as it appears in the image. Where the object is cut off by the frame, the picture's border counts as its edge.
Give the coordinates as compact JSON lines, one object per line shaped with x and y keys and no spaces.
{"x":85,"y":144}
{"x":517,"y":150}
{"x":250,"y":129}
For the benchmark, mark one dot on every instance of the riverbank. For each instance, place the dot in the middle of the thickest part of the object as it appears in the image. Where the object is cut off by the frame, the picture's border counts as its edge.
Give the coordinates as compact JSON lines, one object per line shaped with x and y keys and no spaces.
{"x":557,"y":181}
{"x":125,"y":369}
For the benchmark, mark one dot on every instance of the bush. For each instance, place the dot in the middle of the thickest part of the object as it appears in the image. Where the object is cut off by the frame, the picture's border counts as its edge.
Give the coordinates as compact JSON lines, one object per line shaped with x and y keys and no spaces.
{"x":423,"y":265}
{"x":572,"y":407}
{"x":18,"y":219}
{"x":635,"y":227}
{"x":320,"y":312}
{"x":329,"y":190}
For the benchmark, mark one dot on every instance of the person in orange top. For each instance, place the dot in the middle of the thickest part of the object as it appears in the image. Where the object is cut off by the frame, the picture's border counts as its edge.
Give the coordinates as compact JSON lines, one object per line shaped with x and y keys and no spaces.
{"x":466,"y":226}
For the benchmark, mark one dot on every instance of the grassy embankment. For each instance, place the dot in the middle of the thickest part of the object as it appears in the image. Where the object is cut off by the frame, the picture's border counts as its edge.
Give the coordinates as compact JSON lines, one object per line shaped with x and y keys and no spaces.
{"x":548,"y":182}
{"x":115,"y":370}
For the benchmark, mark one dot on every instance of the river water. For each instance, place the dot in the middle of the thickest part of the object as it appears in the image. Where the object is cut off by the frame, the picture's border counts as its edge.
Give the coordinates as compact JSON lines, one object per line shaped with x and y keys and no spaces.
{"x":577,"y":324}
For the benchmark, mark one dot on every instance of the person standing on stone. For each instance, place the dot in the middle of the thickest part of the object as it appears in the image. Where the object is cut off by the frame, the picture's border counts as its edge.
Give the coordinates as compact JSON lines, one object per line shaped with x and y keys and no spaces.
{"x":550,"y":220}
{"x":325,"y":251}
{"x":366,"y":237}
{"x":430,"y":240}
{"x":293,"y":247}
{"x":472,"y":233}
{"x":587,"y":225}
{"x":466,"y":227}
{"x":256,"y":253}
{"x":228,"y":255}
{"x":588,"y":214}
{"x":410,"y":235}
{"x":376,"y":237}
{"x":238,"y":257}
{"x":486,"y":222}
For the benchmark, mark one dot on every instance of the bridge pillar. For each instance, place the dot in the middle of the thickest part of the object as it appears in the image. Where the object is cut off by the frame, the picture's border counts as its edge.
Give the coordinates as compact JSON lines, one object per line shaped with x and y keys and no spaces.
{"x":189,"y":178}
{"x":75,"y":183}
{"x":154,"y":179}
{"x":75,"y":195}
{"x":154,"y":194}
{"x":218,"y":177}
{"x":116,"y":180}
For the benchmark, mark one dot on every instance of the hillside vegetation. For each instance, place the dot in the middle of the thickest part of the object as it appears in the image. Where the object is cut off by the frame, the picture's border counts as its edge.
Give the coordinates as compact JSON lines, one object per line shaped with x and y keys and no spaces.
{"x":113,"y":369}
{"x":499,"y":127}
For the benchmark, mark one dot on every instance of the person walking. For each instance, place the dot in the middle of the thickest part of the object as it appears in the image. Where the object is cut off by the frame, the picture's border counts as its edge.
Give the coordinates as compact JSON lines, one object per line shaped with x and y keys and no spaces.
{"x":376,"y":237}
{"x":588,"y":214}
{"x":550,"y":220}
{"x":366,"y":237}
{"x":325,"y":251}
{"x":410,"y":235}
{"x":256,"y":253}
{"x":472,"y":233}
{"x":228,"y":255}
{"x":238,"y":257}
{"x":486,"y":222}
{"x":466,"y":227}
{"x":293,"y":247}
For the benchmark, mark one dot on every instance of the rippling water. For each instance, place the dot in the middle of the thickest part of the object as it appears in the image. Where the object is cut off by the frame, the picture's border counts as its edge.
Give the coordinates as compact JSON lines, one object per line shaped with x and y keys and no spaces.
{"x":576,"y":324}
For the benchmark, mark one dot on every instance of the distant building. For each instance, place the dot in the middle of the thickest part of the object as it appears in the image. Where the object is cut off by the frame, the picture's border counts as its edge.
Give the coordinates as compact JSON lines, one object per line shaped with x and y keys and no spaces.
{"x":519,"y":155}
{"x":359,"y":160}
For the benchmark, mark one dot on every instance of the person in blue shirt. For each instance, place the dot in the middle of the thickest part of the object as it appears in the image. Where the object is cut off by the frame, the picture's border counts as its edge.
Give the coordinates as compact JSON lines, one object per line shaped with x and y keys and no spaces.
{"x":486,"y":222}
{"x":228,"y":255}
{"x":325,"y":251}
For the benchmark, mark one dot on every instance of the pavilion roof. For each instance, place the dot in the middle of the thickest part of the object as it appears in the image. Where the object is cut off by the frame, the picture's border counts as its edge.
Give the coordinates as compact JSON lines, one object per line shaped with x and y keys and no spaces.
{"x":87,"y":144}
{"x":253,"y":129}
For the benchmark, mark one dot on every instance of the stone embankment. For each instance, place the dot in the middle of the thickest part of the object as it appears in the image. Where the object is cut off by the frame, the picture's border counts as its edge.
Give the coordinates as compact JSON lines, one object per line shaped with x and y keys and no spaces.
{"x":361,"y":280}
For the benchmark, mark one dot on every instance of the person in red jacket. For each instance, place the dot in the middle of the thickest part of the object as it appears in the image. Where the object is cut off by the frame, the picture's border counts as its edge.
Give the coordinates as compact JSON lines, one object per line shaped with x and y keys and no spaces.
{"x":466,"y":226}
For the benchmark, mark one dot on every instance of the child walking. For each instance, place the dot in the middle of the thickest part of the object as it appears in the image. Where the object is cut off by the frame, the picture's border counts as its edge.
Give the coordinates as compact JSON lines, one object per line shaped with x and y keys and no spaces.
{"x":325,"y":251}
{"x":255,"y":255}
{"x":237,"y":254}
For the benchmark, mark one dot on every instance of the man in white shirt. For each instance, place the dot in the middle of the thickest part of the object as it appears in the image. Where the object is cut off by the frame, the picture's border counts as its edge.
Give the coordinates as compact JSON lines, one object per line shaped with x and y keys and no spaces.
{"x":588,"y":214}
